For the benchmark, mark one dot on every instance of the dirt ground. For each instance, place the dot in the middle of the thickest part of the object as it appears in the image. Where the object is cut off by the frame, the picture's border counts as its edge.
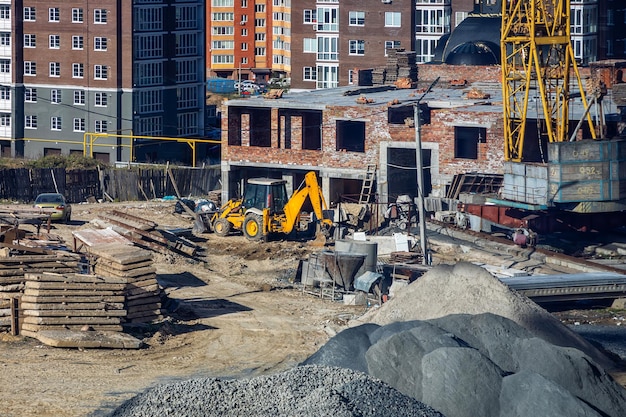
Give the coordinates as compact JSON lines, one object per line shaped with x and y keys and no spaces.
{"x":234,"y":313}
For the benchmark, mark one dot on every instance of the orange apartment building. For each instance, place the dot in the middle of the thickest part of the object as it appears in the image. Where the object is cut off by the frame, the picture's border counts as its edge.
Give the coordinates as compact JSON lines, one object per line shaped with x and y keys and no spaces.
{"x":248,"y":39}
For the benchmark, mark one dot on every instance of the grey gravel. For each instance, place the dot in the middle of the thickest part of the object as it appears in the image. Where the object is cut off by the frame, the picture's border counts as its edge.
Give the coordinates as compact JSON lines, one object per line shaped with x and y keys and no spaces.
{"x":303,"y":391}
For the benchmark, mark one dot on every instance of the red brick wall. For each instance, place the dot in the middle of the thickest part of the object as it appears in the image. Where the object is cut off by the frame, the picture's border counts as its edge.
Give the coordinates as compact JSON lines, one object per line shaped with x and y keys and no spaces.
{"x":471,"y":73}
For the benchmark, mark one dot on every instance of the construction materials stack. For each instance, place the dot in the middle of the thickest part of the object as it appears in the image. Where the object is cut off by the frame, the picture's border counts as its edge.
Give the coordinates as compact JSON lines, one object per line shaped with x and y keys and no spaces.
{"x":134,"y":266}
{"x":406,"y":64}
{"x":14,"y":267}
{"x":71,"y":302}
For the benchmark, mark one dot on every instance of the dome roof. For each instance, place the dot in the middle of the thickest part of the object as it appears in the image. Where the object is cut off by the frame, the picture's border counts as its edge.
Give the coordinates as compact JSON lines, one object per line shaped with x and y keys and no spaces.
{"x":480,"y":30}
{"x":474,"y":53}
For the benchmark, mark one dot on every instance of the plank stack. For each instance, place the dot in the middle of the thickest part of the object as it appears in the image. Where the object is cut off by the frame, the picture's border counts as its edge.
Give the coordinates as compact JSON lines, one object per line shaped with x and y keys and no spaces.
{"x":71,"y":301}
{"x":14,"y":267}
{"x":142,"y":293}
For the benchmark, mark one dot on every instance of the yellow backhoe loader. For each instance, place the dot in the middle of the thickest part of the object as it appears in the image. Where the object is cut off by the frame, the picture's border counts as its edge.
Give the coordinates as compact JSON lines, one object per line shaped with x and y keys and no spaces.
{"x":265,"y":210}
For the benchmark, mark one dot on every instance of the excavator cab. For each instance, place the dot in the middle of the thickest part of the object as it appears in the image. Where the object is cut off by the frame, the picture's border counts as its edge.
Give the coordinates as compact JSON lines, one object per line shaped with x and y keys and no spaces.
{"x":262,"y":193}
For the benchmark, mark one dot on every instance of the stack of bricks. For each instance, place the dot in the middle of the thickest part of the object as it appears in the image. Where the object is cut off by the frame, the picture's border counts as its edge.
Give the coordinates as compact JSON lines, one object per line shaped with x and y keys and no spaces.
{"x":71,"y":301}
{"x":407,"y":67}
{"x":134,"y":266}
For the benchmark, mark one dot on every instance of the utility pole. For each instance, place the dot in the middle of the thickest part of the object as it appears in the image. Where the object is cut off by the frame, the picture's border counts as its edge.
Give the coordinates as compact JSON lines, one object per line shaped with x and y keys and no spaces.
{"x":420,"y":174}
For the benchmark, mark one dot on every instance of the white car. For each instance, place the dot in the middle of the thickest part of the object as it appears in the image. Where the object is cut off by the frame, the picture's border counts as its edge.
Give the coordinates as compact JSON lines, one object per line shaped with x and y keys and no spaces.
{"x":247,"y":86}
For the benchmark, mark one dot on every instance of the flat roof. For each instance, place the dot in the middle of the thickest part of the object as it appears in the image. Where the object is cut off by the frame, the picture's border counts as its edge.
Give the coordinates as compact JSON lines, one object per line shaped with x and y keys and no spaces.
{"x":441,"y":96}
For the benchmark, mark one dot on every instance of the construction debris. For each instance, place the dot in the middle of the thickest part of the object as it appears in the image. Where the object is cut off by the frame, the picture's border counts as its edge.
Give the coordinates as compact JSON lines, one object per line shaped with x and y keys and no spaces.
{"x":364,"y":100}
{"x":476,"y":94}
{"x":274,"y":93}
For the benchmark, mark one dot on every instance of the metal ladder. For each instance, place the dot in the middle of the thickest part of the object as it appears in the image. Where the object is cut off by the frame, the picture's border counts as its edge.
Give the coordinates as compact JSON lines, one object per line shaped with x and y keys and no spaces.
{"x":368,"y":184}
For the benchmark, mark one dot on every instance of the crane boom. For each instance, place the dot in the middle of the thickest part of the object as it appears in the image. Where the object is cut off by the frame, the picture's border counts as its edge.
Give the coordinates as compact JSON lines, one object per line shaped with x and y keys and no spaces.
{"x":537,"y":55}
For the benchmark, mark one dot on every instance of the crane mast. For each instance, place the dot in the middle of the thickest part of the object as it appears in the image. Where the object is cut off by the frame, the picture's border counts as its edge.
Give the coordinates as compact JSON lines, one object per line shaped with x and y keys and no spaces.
{"x":537,"y":63}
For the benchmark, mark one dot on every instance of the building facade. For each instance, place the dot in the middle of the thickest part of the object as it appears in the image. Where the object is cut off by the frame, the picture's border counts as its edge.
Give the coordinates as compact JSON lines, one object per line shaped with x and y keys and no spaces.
{"x":7,"y":40}
{"x":248,"y":39}
{"x":113,"y":68}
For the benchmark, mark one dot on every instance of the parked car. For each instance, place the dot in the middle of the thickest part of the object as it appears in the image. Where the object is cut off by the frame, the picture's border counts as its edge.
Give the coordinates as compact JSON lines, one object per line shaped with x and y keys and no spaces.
{"x":246,"y":86}
{"x":62,"y":209}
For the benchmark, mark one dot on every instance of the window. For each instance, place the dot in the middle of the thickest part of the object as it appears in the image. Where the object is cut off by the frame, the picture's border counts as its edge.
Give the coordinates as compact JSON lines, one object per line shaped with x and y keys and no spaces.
{"x":77,"y":42}
{"x":244,"y":60}
{"x":5,"y":120}
{"x":30,"y":95}
{"x":222,"y":59}
{"x":79,"y":124}
{"x":55,"y":123}
{"x":392,"y":19}
{"x":30,"y":68}
{"x":54,"y":42}
{"x":5,"y":39}
{"x":149,"y":46}
{"x":186,"y":44}
{"x":100,"y":126}
{"x":30,"y":40}
{"x":244,"y":46}
{"x":259,"y":37}
{"x":55,"y":96}
{"x":101,"y":72}
{"x":357,"y":18}
{"x":260,"y":23}
{"x":357,"y":47}
{"x":5,"y":66}
{"x":351,"y":74}
{"x":55,"y":69}
{"x":327,"y":48}
{"x":224,"y":30}
{"x":148,"y":19}
{"x":222,"y":3}
{"x":30,"y":121}
{"x":54,"y":14}
{"x":101,"y":99}
{"x":29,"y":14}
{"x":149,"y":73}
{"x":391,"y":45}
{"x":259,"y":51}
{"x":99,"y":44}
{"x":100,"y":16}
{"x":259,"y":8}
{"x":5,"y":93}
{"x":222,"y":44}
{"x":310,"y":45}
{"x":350,"y":136}
{"x":309,"y":16}
{"x":309,"y":74}
{"x":5,"y":12}
{"x":223,"y":16}
{"x":79,"y":97}
{"x":328,"y":19}
{"x":78,"y":70}
{"x":77,"y":15}
{"x":466,"y":140}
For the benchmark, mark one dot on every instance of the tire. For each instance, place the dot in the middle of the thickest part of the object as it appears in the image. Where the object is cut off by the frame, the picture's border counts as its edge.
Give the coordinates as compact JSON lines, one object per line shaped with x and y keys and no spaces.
{"x":68,"y":218}
{"x":253,"y":227}
{"x":222,"y":227}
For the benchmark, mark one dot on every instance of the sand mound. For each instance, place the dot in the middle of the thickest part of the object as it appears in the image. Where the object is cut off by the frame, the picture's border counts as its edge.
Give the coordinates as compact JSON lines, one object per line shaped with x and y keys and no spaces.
{"x":469,"y":289}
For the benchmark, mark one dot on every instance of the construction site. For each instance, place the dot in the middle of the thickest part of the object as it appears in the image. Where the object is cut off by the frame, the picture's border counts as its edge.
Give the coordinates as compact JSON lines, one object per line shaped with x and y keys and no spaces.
{"x":424,"y":247}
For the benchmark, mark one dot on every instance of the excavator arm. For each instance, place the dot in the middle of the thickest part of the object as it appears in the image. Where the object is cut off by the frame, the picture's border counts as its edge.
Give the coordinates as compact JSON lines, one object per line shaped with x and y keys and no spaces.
{"x":311,"y":189}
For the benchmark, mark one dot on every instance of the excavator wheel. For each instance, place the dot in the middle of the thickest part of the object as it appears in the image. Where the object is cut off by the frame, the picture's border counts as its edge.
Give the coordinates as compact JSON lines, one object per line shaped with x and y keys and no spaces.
{"x":222,"y":227}
{"x":253,"y":227}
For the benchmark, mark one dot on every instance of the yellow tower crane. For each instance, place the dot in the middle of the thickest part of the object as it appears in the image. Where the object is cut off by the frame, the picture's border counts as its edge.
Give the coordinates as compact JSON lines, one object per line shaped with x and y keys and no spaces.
{"x":537,"y":55}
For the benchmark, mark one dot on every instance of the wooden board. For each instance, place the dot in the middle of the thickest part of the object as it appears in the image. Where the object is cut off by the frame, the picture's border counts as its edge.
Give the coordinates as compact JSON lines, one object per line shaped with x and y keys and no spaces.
{"x":71,"y":306}
{"x":78,"y":327}
{"x":91,"y":298}
{"x":71,"y":320}
{"x":119,"y":267}
{"x":130,"y":304}
{"x":68,"y":286}
{"x":89,"y":339}
{"x":54,"y":293}
{"x":121,"y":256}
{"x":74,"y":278}
{"x":74,"y":314}
{"x":131,"y":273}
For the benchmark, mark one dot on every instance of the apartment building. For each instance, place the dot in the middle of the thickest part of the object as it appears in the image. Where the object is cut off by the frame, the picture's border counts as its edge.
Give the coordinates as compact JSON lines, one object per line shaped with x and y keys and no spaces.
{"x":107,"y":67}
{"x":248,"y":39}
{"x":6,"y":58}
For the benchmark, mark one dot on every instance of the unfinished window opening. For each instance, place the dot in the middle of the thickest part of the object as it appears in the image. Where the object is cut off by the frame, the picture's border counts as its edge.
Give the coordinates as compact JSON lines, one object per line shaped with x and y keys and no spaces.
{"x":312,"y":130}
{"x":234,"y":126}
{"x":51,"y":151}
{"x":400,"y":115}
{"x":466,"y":140}
{"x":260,"y":127}
{"x":350,"y":136}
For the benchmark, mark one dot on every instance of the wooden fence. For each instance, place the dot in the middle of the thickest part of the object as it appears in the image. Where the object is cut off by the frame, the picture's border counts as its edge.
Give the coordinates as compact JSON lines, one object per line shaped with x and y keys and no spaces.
{"x":119,"y":184}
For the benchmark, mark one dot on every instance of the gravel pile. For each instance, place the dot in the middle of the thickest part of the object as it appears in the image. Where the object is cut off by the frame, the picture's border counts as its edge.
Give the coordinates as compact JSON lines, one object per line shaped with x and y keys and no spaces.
{"x":460,"y":341}
{"x":304,"y":391}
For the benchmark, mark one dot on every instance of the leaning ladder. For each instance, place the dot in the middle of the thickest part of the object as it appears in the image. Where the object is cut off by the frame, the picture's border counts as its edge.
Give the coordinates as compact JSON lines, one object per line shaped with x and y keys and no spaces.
{"x":368,"y":185}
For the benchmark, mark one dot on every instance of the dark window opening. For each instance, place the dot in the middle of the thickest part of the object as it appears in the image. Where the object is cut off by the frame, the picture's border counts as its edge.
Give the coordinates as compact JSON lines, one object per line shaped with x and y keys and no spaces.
{"x":312,"y":130}
{"x":102,"y":157}
{"x":51,"y":151}
{"x":399,"y":115}
{"x":234,"y":126}
{"x":466,"y":140}
{"x":350,"y":136}
{"x":261,"y":127}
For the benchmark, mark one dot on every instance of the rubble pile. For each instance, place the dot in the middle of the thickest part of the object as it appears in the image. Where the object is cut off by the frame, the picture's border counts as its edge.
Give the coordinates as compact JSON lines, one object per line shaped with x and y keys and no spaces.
{"x":134,"y":267}
{"x":460,"y":341}
{"x":307,"y":391}
{"x":71,"y":302}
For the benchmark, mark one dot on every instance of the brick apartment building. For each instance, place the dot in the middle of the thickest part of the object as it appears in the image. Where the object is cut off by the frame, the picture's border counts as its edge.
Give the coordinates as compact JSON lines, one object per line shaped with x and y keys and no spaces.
{"x":127,"y":68}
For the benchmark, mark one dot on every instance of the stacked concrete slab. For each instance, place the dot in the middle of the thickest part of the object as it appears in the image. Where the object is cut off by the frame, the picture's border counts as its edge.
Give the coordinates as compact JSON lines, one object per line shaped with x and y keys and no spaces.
{"x":142,"y":293}
{"x":14,"y":267}
{"x":71,"y":301}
